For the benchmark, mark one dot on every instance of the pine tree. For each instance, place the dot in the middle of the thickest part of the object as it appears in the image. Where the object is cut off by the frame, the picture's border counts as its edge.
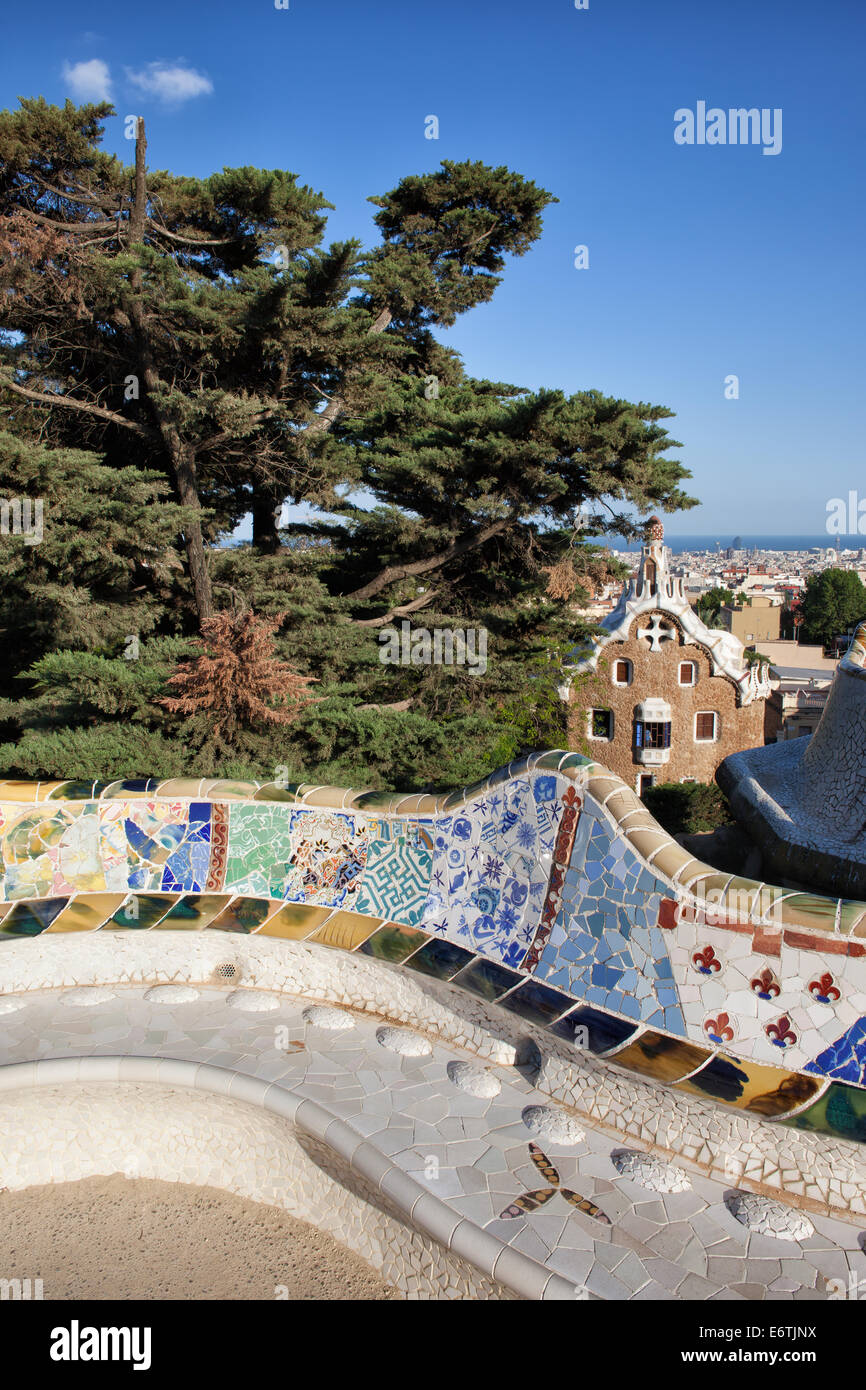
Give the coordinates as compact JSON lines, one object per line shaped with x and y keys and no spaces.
{"x":199,"y":325}
{"x":197,"y":335}
{"x":102,"y":571}
{"x":235,"y":682}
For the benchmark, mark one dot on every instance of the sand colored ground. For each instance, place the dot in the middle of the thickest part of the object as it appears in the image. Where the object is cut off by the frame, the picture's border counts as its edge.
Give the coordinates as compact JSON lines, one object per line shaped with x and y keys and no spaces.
{"x":125,"y":1238}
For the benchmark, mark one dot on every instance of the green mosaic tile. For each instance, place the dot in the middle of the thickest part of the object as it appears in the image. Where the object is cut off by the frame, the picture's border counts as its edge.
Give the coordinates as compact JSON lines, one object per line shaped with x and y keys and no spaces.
{"x":488,"y":979}
{"x":393,"y":943}
{"x":195,"y":911}
{"x":850,"y":914}
{"x":141,"y":911}
{"x":808,"y":910}
{"x":549,"y":761}
{"x":440,"y":959}
{"x":137,"y":786}
{"x":78,"y":791}
{"x":374,"y":801}
{"x":840,"y":1111}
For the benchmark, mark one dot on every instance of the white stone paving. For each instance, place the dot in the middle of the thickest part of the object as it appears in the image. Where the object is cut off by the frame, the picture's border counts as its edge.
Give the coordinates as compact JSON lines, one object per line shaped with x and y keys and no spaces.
{"x":470,"y":1151}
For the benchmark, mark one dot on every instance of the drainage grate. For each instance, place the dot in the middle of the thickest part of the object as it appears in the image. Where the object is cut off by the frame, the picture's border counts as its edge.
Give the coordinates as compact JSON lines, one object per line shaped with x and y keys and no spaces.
{"x":227,"y":971}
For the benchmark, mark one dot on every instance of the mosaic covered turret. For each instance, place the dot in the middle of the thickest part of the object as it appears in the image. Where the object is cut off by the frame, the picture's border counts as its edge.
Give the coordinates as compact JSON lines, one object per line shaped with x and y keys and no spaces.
{"x":804,"y":801}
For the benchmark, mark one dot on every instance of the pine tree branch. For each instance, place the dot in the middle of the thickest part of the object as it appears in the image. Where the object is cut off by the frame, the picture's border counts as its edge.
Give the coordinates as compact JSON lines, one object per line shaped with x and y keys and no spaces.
{"x":453,"y":552}
{"x":401,"y":611}
{"x":185,"y":240}
{"x":83,"y":196}
{"x":86,"y":407}
{"x":320,"y":424}
{"x":67,"y":226}
{"x":214,"y":440}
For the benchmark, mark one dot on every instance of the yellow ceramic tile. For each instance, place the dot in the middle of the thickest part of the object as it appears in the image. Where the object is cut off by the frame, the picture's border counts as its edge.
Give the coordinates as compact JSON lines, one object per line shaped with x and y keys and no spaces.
{"x":180,"y":788}
{"x":88,"y":911}
{"x":272,"y":792}
{"x":645,"y":841}
{"x":851,"y":913}
{"x":623,"y":802}
{"x":808,"y":910}
{"x":418,"y":805}
{"x":763,"y":1090}
{"x":705,"y":883}
{"x":386,"y":802}
{"x":660,"y":1057}
{"x":294,"y":921}
{"x":305,"y":789}
{"x":46,"y":789}
{"x":600,"y":787}
{"x":346,"y":930}
{"x":226,"y":790}
{"x":671,"y":860}
{"x":21,"y":791}
{"x":335,"y":797}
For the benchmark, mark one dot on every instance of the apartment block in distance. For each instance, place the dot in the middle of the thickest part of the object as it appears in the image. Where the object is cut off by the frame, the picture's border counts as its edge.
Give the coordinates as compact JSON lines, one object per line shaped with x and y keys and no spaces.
{"x":756,"y":621}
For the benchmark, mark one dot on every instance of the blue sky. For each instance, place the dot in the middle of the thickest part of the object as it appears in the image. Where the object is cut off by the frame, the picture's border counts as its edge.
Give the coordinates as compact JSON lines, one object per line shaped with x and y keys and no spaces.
{"x":704,"y":261}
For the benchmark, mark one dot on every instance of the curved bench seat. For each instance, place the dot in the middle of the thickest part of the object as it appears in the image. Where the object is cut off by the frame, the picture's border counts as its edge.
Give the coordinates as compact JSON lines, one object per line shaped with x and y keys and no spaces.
{"x":547,"y":891}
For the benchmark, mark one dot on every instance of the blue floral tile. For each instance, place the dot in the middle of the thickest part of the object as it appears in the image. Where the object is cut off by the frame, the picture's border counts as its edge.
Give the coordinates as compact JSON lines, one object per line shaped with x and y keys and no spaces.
{"x":491,"y":863}
{"x":845,"y":1059}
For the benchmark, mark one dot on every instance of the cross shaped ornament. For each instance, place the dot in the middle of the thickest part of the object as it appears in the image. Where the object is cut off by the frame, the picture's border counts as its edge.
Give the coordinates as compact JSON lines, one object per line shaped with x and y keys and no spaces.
{"x":658,"y":632}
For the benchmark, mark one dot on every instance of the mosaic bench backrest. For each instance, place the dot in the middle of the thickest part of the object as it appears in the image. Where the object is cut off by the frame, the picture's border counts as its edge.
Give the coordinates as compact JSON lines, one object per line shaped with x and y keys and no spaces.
{"x":547,"y":889}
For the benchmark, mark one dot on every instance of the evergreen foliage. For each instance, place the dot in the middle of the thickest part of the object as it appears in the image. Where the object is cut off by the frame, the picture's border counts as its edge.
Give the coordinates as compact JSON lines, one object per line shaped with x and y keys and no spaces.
{"x":178,"y":353}
{"x":834,"y":601}
{"x":688,"y":808}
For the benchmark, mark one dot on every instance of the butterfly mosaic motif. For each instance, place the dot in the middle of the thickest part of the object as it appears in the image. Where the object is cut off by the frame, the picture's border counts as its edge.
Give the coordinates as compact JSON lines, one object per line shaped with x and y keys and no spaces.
{"x":531,"y":1201}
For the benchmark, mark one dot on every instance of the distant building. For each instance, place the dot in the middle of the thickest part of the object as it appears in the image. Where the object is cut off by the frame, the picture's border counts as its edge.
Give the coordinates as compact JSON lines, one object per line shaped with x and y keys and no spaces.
{"x":799,"y":706}
{"x":670,"y":697}
{"x":755,"y":621}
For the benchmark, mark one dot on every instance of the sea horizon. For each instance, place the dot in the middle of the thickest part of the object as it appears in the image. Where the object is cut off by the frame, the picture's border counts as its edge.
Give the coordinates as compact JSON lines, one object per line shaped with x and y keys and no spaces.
{"x":762,"y":541}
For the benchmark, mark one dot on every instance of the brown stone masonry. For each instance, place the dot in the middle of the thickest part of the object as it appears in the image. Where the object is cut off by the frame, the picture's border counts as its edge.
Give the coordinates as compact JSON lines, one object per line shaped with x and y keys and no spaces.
{"x":656,"y":675}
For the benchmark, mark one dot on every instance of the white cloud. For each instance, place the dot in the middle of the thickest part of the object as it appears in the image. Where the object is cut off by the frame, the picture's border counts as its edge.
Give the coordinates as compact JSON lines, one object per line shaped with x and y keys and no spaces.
{"x":170,"y":83}
{"x":90,"y":81}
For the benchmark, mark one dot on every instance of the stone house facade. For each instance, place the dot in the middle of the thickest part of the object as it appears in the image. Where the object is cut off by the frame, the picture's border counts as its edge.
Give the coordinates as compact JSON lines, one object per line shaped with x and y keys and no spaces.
{"x":668,"y":698}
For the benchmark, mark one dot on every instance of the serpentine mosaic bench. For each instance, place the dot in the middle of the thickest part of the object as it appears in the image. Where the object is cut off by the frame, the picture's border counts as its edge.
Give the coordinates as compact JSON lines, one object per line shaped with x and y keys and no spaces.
{"x":546,"y":889}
